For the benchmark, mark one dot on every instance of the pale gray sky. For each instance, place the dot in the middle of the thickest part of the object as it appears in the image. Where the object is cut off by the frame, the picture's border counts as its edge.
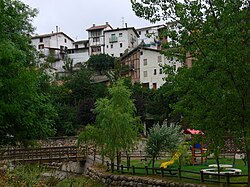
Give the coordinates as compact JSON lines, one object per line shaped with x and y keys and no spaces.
{"x":73,"y":17}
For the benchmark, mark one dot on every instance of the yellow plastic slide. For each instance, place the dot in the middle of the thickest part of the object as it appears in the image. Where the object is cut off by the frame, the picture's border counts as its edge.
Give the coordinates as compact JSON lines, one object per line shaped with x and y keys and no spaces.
{"x":174,"y":158}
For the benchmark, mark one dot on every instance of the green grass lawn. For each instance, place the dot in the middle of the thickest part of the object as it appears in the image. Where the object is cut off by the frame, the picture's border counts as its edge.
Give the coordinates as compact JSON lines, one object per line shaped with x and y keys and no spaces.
{"x":239,"y":164}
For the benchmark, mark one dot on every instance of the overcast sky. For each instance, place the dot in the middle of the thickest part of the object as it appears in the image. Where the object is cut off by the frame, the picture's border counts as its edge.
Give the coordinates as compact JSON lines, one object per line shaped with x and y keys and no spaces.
{"x":73,"y":17}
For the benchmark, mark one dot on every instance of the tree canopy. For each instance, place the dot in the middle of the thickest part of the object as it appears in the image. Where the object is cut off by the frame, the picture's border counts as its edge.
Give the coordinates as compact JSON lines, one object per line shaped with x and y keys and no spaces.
{"x":116,"y":120}
{"x":101,"y":63}
{"x":26,"y":111}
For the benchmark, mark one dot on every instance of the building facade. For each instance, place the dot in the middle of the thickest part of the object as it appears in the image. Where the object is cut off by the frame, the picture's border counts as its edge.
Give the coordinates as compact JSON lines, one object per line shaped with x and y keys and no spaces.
{"x":145,"y":66}
{"x":118,"y":41}
{"x":96,"y":38}
{"x":150,"y":36}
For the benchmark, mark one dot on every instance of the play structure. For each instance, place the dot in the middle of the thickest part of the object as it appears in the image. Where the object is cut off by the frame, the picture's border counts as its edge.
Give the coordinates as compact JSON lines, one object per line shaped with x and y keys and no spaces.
{"x":197,"y":149}
{"x":174,"y":158}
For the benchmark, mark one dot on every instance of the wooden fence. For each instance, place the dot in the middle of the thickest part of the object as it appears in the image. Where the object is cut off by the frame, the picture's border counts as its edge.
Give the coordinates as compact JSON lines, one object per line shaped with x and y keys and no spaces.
{"x":178,"y":173}
{"x":46,"y":154}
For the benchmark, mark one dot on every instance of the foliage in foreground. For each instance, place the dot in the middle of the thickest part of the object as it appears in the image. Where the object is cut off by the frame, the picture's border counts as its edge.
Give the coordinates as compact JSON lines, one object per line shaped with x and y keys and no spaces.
{"x":116,"y":125}
{"x":32,"y":176}
{"x":163,"y":139}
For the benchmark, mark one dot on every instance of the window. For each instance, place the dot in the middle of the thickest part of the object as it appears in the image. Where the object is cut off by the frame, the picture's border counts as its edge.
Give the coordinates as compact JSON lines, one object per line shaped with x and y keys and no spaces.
{"x":76,"y":46}
{"x":145,"y":73}
{"x":41,"y":40}
{"x":41,"y":46}
{"x":146,"y":31}
{"x":155,"y":71}
{"x":141,"y":52}
{"x":120,"y":34}
{"x":159,"y":58}
{"x":160,"y":71}
{"x":145,"y":85}
{"x":111,"y":46}
{"x":139,"y":32}
{"x":121,"y":54}
{"x":65,"y":40}
{"x":107,"y":46}
{"x":145,"y":62}
{"x":96,"y":39}
{"x":154,"y":86}
{"x":120,"y":44}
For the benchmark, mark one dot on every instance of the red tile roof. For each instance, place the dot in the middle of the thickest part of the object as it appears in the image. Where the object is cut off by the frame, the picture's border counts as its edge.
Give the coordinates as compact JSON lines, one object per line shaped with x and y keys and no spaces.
{"x":98,"y":27}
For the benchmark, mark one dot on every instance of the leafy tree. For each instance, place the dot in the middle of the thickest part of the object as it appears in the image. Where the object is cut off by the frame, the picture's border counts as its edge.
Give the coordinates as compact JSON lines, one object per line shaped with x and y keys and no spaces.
{"x":116,"y":120}
{"x":26,"y":111}
{"x":101,"y":63}
{"x":74,"y":100}
{"x":216,"y":35}
{"x":163,"y":139}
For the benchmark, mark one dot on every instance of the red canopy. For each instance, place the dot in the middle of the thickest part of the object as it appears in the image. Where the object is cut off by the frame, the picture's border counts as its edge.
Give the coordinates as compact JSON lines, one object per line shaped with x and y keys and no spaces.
{"x":193,"y":131}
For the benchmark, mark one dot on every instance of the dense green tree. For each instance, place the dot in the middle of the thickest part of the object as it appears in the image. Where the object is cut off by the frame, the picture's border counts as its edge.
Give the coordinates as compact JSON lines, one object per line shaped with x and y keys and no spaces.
{"x":117,"y":121}
{"x":101,"y":63}
{"x":26,"y":111}
{"x":215,"y":91}
{"x":74,"y":99}
{"x":163,"y":139}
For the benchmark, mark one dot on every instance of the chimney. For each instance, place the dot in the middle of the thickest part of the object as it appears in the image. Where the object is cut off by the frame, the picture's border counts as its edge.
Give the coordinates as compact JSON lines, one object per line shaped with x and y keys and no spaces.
{"x":126,"y":25}
{"x":107,"y":23}
{"x":93,"y":25}
{"x":56,"y":29}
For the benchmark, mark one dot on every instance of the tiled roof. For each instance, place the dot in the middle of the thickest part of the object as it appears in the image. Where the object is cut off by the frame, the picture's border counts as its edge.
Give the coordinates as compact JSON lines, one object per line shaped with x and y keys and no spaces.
{"x":49,"y":35}
{"x":98,"y":27}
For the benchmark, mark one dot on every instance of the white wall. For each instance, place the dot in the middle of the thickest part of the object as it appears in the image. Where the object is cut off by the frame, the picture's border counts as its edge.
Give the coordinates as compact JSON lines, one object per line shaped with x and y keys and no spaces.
{"x":124,"y":38}
{"x":148,"y":36}
{"x":152,"y":67}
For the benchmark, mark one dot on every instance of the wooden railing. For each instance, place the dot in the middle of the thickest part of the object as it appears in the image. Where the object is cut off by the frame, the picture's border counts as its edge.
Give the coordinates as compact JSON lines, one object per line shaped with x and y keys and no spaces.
{"x":46,"y":154}
{"x":178,"y":173}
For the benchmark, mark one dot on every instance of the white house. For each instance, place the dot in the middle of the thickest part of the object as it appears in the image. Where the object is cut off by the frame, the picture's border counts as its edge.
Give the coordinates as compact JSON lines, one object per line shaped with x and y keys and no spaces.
{"x":55,"y":46}
{"x":96,"y":38}
{"x":150,"y":36}
{"x":119,"y":40}
{"x":80,"y":52}
{"x":151,"y":72}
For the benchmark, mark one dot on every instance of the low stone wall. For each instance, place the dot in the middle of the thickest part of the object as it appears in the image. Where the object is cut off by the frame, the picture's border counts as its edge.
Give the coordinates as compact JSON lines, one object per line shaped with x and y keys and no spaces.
{"x":58,"y":142}
{"x":122,"y":180}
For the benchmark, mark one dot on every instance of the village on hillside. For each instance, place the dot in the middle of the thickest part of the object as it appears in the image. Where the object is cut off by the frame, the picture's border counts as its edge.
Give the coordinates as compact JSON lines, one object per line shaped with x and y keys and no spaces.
{"x":137,"y":48}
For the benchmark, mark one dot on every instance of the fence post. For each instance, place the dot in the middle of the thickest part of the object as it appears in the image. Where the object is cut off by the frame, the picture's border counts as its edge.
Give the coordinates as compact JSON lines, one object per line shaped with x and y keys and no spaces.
{"x":121,"y":169}
{"x":162,"y":172}
{"x":128,"y":164}
{"x":146,"y":168}
{"x":112,"y":167}
{"x":107,"y":166}
{"x":202,"y":176}
{"x":227,"y":179}
{"x":133,"y":170}
{"x":179,"y":173}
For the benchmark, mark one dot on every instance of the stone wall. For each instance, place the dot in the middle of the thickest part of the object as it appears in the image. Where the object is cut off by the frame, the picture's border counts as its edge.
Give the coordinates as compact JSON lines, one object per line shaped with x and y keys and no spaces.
{"x":112,"y":180}
{"x":58,"y":142}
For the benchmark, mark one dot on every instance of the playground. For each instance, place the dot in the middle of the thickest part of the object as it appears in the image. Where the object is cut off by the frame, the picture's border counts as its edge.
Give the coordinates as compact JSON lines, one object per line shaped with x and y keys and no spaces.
{"x":192,"y":165}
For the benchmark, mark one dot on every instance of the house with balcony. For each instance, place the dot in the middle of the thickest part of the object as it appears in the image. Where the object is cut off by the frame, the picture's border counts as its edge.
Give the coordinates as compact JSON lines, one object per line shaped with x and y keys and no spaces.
{"x":79,"y":53}
{"x":120,"y":40}
{"x":96,"y":38}
{"x":150,"y":37}
{"x":52,"y":48}
{"x":145,"y":66}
